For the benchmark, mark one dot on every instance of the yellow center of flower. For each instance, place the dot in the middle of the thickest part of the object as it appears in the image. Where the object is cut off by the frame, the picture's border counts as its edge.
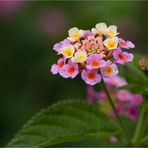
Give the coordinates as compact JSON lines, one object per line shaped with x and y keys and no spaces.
{"x":74,"y":35}
{"x":112,"y":32}
{"x":95,"y":63}
{"x":71,"y":70}
{"x":111,"y":44}
{"x":68,"y":52}
{"x":122,"y":57}
{"x":100,"y":34}
{"x":91,"y":75}
{"x":81,"y":57}
{"x":109,"y":70}
{"x":123,"y":43}
{"x":61,"y":64}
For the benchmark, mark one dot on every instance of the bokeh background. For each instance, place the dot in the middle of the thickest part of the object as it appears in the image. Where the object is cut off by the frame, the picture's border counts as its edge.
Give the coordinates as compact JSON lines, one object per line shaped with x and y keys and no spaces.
{"x":28,"y":31}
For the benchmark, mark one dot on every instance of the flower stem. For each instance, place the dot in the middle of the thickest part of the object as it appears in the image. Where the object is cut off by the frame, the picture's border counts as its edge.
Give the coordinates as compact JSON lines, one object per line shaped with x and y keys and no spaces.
{"x":114,"y":109}
{"x":140,"y":127}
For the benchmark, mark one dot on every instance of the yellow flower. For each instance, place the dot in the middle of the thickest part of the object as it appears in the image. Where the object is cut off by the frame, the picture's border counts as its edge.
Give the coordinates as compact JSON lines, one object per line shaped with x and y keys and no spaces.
{"x":75,"y":34}
{"x":108,"y":70}
{"x":67,"y":51}
{"x":100,"y":29}
{"x":111,"y":43}
{"x":112,"y":31}
{"x":79,"y":57}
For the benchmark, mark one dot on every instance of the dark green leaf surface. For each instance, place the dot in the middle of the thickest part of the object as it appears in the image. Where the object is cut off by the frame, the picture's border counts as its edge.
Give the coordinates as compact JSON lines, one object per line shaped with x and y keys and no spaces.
{"x":133,"y":74}
{"x":63,"y":122}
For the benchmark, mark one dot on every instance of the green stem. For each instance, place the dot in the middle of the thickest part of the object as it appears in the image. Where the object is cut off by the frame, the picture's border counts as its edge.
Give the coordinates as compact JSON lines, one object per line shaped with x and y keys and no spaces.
{"x":114,"y":109}
{"x":140,"y":128}
{"x":144,"y":140}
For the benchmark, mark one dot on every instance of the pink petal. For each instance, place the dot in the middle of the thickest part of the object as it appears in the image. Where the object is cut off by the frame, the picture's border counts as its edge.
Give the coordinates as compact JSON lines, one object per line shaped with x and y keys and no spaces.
{"x":130,"y":44}
{"x":54,"y":69}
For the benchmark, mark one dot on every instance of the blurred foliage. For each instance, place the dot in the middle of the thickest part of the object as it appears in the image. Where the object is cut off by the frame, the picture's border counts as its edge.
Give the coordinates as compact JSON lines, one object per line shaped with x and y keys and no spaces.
{"x":26,"y":52}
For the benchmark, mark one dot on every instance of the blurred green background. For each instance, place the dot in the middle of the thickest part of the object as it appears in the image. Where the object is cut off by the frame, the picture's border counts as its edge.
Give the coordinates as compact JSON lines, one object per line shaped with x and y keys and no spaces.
{"x":28,"y":31}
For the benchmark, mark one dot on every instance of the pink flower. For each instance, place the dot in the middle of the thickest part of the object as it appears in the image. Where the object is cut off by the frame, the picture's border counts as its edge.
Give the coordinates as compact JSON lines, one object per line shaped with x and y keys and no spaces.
{"x":57,"y":67}
{"x":110,"y":70}
{"x":93,"y":53}
{"x":52,"y":22}
{"x":122,"y":57}
{"x":92,"y":95}
{"x":87,"y":33}
{"x":91,"y":77}
{"x":124,"y":44}
{"x":90,"y":43}
{"x":137,"y":100}
{"x":124,"y":95}
{"x":102,"y":95}
{"x":70,"y":70}
{"x":116,"y":81}
{"x":126,"y":102}
{"x":94,"y":61}
{"x":130,"y":44}
{"x":54,"y":69}
{"x":132,"y":113}
{"x":58,"y":46}
{"x":8,"y":8}
{"x":77,"y":46}
{"x":113,"y":139}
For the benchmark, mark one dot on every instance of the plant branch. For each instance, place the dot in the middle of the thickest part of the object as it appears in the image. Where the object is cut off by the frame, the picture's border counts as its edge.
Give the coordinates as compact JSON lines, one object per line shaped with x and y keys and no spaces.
{"x":114,"y":109}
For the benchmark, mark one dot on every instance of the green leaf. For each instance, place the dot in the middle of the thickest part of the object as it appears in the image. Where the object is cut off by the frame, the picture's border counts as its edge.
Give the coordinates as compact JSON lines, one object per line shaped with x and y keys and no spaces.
{"x":136,"y":78}
{"x":133,"y":74}
{"x":65,"y":121}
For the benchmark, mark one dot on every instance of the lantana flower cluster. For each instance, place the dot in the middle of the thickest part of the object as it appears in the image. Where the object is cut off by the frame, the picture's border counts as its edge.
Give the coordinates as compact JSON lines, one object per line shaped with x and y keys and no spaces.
{"x":92,"y":53}
{"x":126,"y":102}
